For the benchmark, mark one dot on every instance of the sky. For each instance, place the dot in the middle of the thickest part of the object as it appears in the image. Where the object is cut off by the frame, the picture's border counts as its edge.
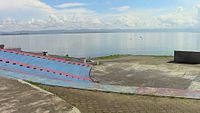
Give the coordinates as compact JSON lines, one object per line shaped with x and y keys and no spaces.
{"x":18,"y":15}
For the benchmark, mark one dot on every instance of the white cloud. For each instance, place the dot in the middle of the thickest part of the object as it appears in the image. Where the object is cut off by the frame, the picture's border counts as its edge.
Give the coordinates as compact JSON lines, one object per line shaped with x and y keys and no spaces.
{"x":69,"y":5}
{"x":179,"y":18}
{"x":125,"y":20}
{"x":24,"y":9}
{"x":179,"y":9}
{"x":198,"y":6}
{"x":75,"y":11}
{"x":198,"y":10}
{"x":198,"y":13}
{"x":122,"y":8}
{"x":24,"y":4}
{"x":36,"y":15}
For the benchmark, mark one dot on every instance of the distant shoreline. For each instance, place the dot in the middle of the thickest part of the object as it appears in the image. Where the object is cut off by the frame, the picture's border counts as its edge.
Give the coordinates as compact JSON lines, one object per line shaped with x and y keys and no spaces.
{"x":80,"y":31}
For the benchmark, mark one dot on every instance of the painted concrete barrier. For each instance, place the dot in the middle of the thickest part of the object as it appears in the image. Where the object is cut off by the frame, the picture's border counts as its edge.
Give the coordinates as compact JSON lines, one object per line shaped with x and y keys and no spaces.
{"x":42,"y":57}
{"x":187,"y":57}
{"x":17,"y":60}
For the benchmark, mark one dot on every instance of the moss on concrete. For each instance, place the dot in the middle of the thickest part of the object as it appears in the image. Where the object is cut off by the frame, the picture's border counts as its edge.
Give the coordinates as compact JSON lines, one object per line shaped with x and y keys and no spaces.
{"x":111,"y":56}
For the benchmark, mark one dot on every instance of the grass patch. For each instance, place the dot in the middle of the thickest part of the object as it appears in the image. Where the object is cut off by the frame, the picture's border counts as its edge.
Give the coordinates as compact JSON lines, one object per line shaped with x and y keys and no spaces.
{"x":66,"y":57}
{"x":125,"y":55}
{"x":42,"y":86}
{"x":162,"y":56}
{"x":110,"y":57}
{"x":33,"y":83}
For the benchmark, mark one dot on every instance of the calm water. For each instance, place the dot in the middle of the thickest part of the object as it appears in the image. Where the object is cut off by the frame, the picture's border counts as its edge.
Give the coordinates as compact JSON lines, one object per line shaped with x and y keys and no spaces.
{"x":100,"y":44}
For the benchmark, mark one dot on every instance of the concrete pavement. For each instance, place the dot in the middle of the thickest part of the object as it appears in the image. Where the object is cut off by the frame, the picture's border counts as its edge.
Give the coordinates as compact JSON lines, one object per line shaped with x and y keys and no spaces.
{"x":20,"y":97}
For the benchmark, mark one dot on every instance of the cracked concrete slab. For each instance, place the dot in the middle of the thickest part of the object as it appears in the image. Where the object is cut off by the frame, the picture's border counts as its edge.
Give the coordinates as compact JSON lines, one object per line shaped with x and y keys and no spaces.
{"x":21,"y":97}
{"x":146,"y":71}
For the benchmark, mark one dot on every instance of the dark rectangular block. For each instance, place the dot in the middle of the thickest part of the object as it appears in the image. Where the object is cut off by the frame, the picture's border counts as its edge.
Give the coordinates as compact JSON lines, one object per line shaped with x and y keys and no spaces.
{"x":2,"y":46}
{"x":187,"y":57}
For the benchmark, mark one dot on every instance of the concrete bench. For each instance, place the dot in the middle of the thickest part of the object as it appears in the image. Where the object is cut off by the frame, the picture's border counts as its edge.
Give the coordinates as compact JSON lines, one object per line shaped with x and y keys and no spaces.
{"x":187,"y":57}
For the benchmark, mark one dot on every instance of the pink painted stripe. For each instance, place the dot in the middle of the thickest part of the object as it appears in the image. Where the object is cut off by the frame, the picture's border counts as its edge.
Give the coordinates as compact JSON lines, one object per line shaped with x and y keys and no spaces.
{"x":45,"y":57}
{"x":21,"y":72}
{"x":46,"y":69}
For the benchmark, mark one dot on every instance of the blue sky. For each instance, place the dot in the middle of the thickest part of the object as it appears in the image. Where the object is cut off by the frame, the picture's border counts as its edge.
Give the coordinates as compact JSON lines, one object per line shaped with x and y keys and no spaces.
{"x":98,"y":4}
{"x":101,"y":6}
{"x":105,"y":6}
{"x":98,"y":14}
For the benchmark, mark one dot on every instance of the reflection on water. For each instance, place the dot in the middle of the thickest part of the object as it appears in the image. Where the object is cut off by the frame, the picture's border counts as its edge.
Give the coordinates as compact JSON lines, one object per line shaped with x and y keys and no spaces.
{"x":100,"y":44}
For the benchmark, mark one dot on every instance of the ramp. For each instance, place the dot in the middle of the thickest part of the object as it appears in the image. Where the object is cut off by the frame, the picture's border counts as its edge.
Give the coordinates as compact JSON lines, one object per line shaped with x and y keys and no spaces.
{"x":48,"y":67}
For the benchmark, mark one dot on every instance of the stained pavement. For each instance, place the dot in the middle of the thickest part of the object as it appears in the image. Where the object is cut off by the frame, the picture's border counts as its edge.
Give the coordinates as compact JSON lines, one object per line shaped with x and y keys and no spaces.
{"x":19,"y":97}
{"x":101,"y":102}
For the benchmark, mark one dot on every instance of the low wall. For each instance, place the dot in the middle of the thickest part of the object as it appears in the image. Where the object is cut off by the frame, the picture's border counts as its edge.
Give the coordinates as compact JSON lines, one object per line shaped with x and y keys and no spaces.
{"x":187,"y":57}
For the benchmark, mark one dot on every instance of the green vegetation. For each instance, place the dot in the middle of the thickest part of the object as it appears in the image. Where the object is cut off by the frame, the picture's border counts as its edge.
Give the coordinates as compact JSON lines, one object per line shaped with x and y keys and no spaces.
{"x":161,"y":56}
{"x":110,"y":57}
{"x":33,"y":83}
{"x":45,"y":87}
{"x":67,"y":57}
{"x":125,"y":55}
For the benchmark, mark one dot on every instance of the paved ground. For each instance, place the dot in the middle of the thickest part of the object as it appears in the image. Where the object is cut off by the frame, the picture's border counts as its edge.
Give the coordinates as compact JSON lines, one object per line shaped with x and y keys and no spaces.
{"x":99,"y":102}
{"x":17,"y":97}
{"x":138,"y":71}
{"x":146,"y":71}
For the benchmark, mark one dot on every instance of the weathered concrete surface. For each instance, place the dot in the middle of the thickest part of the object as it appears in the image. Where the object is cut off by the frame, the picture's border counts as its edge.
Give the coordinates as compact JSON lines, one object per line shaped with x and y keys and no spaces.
{"x":146,"y":71}
{"x":101,"y":102}
{"x":19,"y":97}
{"x":183,"y":93}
